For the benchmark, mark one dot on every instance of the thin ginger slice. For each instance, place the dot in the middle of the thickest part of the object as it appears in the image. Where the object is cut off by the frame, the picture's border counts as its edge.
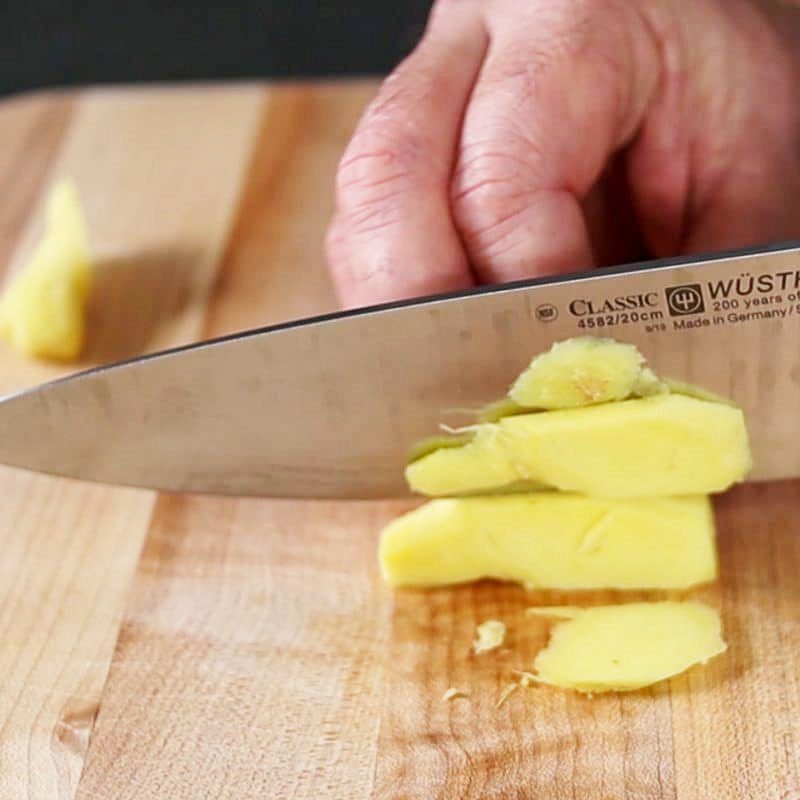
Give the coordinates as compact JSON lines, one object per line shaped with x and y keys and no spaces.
{"x":553,"y":541}
{"x":42,"y":311}
{"x":664,"y":445}
{"x":626,"y":647}
{"x":583,"y":371}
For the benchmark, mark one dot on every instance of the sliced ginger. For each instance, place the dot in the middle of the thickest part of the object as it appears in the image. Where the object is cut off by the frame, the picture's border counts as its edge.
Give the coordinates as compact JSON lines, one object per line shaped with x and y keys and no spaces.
{"x":489,"y":635}
{"x":617,"y":465}
{"x":42,"y":311}
{"x":572,"y":375}
{"x":664,"y":445}
{"x":553,"y":541}
{"x":584,"y":371}
{"x":626,"y":647}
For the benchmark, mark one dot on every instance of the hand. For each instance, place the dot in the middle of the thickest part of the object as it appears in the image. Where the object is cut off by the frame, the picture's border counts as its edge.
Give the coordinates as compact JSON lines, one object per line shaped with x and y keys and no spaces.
{"x":526,"y":137}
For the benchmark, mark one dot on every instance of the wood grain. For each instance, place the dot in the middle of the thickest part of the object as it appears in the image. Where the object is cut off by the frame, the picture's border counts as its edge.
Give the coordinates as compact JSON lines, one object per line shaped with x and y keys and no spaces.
{"x":729,"y":729}
{"x":69,"y":551}
{"x":257,"y":654}
{"x":68,"y":555}
{"x":315,"y":619}
{"x":249,"y":664}
{"x":274,"y":266}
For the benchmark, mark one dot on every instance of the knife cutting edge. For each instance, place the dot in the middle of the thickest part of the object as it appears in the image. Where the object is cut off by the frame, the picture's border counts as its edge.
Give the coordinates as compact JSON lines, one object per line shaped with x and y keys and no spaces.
{"x":329,"y":407}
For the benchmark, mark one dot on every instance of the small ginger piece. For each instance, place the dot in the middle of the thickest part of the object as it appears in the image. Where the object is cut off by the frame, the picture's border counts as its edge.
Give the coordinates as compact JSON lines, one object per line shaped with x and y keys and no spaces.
{"x":664,"y":445}
{"x":453,"y":694}
{"x":42,"y":311}
{"x":550,"y":540}
{"x":626,"y":647}
{"x":583,"y":371}
{"x":489,"y":635}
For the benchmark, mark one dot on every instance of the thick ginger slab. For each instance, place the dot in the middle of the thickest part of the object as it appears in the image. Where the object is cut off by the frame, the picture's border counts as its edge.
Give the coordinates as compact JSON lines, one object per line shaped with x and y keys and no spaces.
{"x":659,"y":446}
{"x":554,"y":541}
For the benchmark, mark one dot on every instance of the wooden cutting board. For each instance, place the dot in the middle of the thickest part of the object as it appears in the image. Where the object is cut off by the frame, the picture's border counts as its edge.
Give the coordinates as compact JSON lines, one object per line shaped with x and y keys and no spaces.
{"x":173,"y":647}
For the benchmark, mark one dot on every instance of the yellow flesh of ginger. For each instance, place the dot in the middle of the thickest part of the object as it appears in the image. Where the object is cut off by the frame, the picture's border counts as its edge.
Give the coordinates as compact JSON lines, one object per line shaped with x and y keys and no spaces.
{"x":690,"y":390}
{"x":42,"y":311}
{"x":627,"y":647}
{"x":555,"y":541}
{"x":656,"y":446}
{"x":583,"y":371}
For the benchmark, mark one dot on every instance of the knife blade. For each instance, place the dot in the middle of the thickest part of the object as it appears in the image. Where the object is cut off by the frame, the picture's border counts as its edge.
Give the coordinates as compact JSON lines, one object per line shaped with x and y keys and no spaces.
{"x":328,"y":407}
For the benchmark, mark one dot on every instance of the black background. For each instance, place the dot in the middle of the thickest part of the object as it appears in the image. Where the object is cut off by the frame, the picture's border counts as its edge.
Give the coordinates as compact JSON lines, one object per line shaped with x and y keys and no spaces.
{"x":45,"y":43}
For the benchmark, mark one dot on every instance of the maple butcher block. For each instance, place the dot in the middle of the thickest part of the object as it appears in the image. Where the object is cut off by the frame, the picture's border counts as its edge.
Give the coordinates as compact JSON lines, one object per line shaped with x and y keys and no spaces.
{"x":168,"y":647}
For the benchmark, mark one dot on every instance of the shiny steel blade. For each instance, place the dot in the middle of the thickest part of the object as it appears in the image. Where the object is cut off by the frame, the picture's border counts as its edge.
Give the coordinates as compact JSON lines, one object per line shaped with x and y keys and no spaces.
{"x":329,"y":407}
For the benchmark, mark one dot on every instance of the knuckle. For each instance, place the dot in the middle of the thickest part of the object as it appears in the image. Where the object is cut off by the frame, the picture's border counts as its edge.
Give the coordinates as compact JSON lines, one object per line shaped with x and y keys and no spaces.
{"x":391,"y":150}
{"x":376,"y":157}
{"x":369,"y":201}
{"x":491,"y":191}
{"x":483,"y":202}
{"x":380,"y":167}
{"x":491,"y":237}
{"x":490,"y":185}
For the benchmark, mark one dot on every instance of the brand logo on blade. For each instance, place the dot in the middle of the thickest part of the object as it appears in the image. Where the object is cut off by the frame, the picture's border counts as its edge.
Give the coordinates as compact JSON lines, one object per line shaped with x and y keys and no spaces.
{"x":687,"y":299}
{"x":546,"y":312}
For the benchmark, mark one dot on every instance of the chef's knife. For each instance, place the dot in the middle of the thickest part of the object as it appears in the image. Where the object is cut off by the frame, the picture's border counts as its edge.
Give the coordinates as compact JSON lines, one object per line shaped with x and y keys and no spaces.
{"x":329,"y":406}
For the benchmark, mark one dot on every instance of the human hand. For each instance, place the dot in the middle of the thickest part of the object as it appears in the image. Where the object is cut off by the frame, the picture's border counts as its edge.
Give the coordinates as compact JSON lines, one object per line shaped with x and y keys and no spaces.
{"x":528,"y":137}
